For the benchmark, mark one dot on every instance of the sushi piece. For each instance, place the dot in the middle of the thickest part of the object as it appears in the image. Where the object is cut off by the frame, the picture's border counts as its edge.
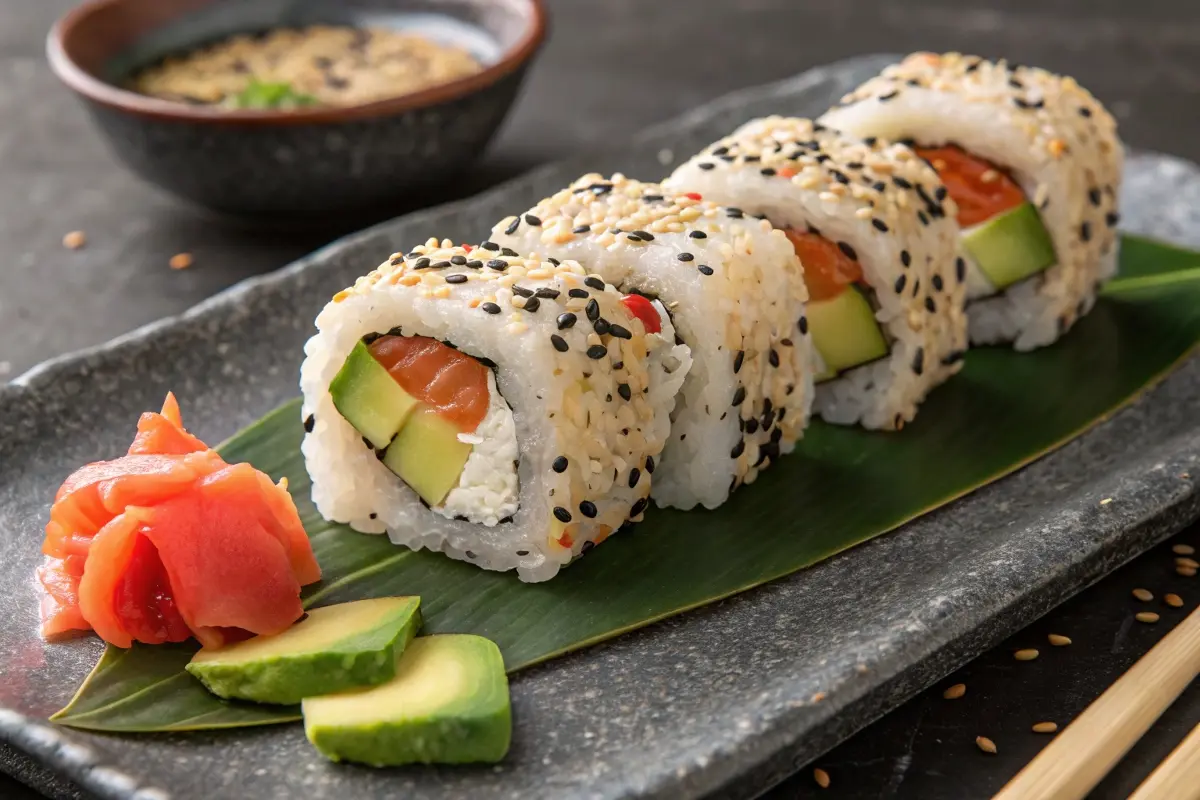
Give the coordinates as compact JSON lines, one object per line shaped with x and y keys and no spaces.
{"x":505,"y":411}
{"x":872,"y":226}
{"x":1032,"y":161}
{"x":733,"y":288}
{"x":170,"y":542}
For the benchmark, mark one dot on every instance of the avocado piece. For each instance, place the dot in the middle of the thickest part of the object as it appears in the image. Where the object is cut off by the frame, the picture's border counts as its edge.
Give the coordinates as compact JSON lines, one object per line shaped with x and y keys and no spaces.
{"x":333,"y":648}
{"x":370,"y":399}
{"x":427,"y":455}
{"x":1011,"y":246}
{"x":845,"y":331}
{"x":448,"y":704}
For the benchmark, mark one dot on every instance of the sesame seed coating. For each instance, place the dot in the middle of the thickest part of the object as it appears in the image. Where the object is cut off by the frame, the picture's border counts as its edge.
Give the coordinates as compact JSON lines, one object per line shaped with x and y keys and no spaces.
{"x":731,"y":284}
{"x":884,"y":209}
{"x":1056,"y":141}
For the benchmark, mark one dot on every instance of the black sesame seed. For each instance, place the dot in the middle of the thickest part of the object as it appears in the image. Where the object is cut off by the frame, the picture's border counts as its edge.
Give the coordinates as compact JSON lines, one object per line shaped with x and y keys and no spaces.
{"x":879,"y":186}
{"x":373,"y":515}
{"x":650,"y":464}
{"x":1112,"y":218}
{"x":497,"y":264}
{"x":578,"y":293}
{"x":522,"y":552}
{"x":705,"y":165}
{"x":490,"y":246}
{"x":566,"y":320}
{"x":734,"y":212}
{"x":592,"y":309}
{"x":618,"y":365}
{"x":848,"y":250}
{"x":738,"y":449}
{"x":396,"y":260}
{"x":547,"y":294}
{"x":880,"y":225}
{"x":916,"y":287}
{"x":705,"y":269}
{"x":899,"y":285}
{"x":560,"y":344}
{"x":698,"y":235}
{"x":594,"y":282}
{"x":530,"y":219}
{"x":474,"y":264}
{"x":439,"y":265}
{"x":512,"y":226}
{"x":840,"y":177}
{"x":960,"y":269}
{"x":1094,"y":196}
{"x":737,"y":361}
{"x":905,"y":258}
{"x":802,"y":324}
{"x":739,"y":396}
{"x":638,"y":507}
{"x":562,"y":514}
{"x":619,"y":331}
{"x":491,"y":308}
{"x":941,"y":193}
{"x":773,"y":358}
{"x":309,"y":423}
{"x":532,"y":304}
{"x":883,"y":98}
{"x":588,"y":509}
{"x":685,"y":257}
{"x":456,"y":278}
{"x":918,"y":362}
{"x":633,"y":237}
{"x":645,"y":236}
{"x":635,"y":475}
{"x":751,"y":426}
{"x":1085,"y":112}
{"x":560,"y":464}
{"x":582,"y":229}
{"x":458,"y":261}
{"x":937,"y":283}
{"x":597,"y":351}
{"x":508,"y":251}
{"x":954,"y":356}
{"x":600,"y":326}
{"x":930,"y":305}
{"x":870,"y":141}
{"x":421,"y":263}
{"x":624,"y":391}
{"x":522,"y":291}
{"x":921,"y":215}
{"x":1085,"y":231}
{"x":767,"y":171}
{"x":901,"y":182}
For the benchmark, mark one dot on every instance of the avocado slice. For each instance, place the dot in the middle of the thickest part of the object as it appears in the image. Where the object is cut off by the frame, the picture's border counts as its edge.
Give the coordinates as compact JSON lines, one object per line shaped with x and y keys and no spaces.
{"x":428,"y":456}
{"x":370,"y":399}
{"x":845,"y":331}
{"x":448,"y":704}
{"x":333,"y":648}
{"x":1011,"y":246}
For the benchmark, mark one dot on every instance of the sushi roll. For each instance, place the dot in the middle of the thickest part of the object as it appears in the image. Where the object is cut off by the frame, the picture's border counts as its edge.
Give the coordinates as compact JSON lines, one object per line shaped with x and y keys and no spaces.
{"x":1034,"y":164}
{"x":733,"y":287}
{"x":874,"y":232}
{"x":464,"y":401}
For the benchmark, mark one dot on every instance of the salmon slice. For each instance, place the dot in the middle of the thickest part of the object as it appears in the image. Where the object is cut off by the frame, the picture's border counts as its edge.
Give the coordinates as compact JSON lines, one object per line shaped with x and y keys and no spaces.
{"x":59,"y":578}
{"x":243,"y":485}
{"x":96,"y":493}
{"x":224,"y":568}
{"x":143,"y":600}
{"x":828,"y":269}
{"x":109,"y":557}
{"x":163,"y":433}
{"x":453,"y":383}
{"x":979,"y":188}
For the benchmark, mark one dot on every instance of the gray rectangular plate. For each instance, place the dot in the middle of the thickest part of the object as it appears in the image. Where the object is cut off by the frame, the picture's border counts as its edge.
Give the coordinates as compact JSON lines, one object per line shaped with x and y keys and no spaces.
{"x":721,"y":701}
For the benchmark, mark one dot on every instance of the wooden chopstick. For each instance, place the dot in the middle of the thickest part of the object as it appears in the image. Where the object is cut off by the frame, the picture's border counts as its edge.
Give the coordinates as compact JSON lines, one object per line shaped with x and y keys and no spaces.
{"x":1088,"y":748}
{"x":1176,"y":778}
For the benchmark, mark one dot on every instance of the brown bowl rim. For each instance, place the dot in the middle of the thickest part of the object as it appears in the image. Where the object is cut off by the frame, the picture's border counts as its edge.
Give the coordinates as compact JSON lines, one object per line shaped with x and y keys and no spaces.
{"x":107,"y":94}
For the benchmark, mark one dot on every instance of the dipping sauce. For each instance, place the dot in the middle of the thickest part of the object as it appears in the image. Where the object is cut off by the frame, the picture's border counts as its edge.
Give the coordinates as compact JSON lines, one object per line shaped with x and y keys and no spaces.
{"x":316,"y":66}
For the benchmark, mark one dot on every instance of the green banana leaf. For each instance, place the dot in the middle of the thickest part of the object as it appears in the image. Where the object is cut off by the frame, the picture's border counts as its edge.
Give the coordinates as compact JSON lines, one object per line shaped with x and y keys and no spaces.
{"x":842,"y":487}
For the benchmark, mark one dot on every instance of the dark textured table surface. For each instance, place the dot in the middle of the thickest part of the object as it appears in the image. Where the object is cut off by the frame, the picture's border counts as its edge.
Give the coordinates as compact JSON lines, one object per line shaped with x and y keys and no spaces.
{"x":611,"y":68}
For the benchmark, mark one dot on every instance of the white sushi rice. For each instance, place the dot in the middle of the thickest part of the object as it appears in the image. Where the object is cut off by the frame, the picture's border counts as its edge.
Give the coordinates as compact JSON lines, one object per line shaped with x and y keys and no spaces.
{"x":1056,"y":141}
{"x":870,"y":199}
{"x":584,"y":451}
{"x":733,"y":285}
{"x":487,"y":489}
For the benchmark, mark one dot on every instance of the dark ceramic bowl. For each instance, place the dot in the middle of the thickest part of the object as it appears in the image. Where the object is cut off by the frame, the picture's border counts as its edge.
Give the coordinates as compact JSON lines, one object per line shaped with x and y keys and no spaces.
{"x":307,"y":161}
